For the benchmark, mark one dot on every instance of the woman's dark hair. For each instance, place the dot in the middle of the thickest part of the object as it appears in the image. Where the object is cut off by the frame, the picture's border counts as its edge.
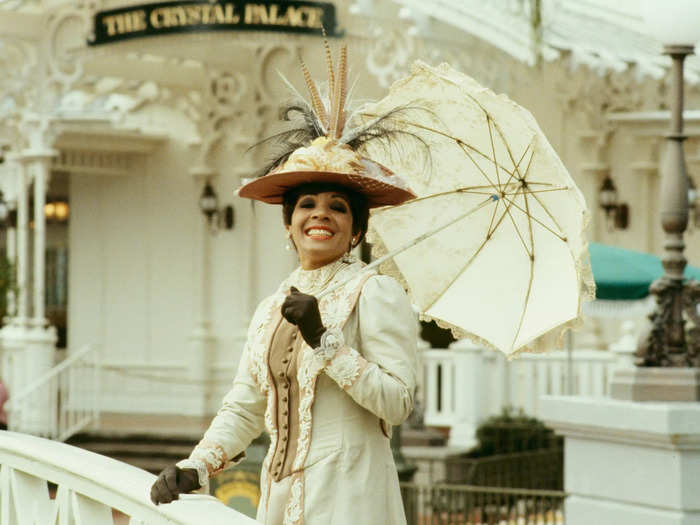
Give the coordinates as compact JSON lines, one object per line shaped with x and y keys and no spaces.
{"x":357,"y":201}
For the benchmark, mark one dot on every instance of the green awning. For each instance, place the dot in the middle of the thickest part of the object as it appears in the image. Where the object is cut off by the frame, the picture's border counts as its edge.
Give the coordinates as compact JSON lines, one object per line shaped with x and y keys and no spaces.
{"x":626,"y":274}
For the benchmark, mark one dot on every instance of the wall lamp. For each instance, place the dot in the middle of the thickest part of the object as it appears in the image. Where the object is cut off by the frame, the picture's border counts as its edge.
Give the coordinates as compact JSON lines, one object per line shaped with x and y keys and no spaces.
{"x":218,"y":218}
{"x":57,"y":211}
{"x":617,"y":213}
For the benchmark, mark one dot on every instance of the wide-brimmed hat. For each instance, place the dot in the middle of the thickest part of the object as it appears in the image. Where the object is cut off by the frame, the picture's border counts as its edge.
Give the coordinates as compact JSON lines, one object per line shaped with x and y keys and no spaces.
{"x":328,"y":161}
{"x":322,"y":149}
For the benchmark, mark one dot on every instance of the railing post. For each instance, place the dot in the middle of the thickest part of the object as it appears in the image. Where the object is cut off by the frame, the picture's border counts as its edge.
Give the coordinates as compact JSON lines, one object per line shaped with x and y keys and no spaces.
{"x":469,"y":388}
{"x":625,"y":347}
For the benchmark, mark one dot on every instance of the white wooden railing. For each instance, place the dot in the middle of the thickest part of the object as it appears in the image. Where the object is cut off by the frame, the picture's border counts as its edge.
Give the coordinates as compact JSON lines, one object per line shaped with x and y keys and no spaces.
{"x":63,"y":401}
{"x":90,"y":489}
{"x":466,"y":384}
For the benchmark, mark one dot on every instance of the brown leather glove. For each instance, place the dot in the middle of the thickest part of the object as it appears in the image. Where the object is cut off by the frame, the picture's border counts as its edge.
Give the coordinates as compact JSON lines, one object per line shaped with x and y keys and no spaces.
{"x":172,"y":482}
{"x":302,"y":310}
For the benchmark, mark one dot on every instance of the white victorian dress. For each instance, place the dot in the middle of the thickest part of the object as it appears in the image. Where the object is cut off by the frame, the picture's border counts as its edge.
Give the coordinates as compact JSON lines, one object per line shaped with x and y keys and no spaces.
{"x":329,"y":417}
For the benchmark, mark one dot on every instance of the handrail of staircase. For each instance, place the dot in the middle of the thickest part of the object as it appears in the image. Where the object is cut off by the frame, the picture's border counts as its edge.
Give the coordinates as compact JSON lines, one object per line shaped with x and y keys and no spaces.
{"x":43,"y":379}
{"x":89,"y":486}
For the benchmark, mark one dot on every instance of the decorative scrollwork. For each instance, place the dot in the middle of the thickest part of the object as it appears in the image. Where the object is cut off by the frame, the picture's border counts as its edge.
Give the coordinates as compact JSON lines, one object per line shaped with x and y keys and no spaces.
{"x":68,"y":32}
{"x":390,"y":55}
{"x":580,"y":89}
{"x":671,"y":341}
{"x":227,"y":89}
{"x":691,"y":305}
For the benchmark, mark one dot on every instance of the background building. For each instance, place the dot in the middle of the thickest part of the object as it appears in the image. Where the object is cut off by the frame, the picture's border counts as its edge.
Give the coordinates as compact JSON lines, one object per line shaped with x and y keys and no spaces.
{"x":128,"y":133}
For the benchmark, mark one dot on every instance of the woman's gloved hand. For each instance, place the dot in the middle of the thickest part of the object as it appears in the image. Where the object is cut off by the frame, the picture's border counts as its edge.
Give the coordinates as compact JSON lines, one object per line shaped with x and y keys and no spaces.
{"x":302,"y":310}
{"x":172,"y":482}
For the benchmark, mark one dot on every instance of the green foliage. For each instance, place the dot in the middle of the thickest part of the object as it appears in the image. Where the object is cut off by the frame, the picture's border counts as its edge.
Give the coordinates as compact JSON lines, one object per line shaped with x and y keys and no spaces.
{"x":7,"y":283}
{"x":512,"y":432}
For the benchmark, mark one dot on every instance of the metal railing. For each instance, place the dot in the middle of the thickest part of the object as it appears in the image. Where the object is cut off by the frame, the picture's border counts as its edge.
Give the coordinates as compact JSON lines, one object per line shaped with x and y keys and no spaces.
{"x":63,"y":401}
{"x":443,"y":504}
{"x":531,"y":469}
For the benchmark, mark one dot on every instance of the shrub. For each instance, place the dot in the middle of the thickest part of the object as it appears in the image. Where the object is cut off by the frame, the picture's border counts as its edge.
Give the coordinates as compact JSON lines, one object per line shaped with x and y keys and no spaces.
{"x":512,"y":432}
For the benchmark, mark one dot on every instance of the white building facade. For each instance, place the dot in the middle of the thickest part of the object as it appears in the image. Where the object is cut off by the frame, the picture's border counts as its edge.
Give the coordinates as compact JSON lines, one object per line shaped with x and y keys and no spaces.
{"x":129,"y":133}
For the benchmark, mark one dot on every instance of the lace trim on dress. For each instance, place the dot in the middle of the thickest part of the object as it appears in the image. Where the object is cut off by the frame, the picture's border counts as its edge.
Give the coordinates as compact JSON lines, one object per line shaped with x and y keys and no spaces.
{"x":211,"y":454}
{"x":272,"y":431}
{"x":346,"y":367}
{"x":315,"y":281}
{"x":258,"y":340}
{"x":294,"y":510}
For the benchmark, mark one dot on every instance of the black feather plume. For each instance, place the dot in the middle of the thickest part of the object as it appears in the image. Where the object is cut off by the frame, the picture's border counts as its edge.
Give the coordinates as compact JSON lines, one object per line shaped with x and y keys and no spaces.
{"x":307,"y":127}
{"x":391,"y":131}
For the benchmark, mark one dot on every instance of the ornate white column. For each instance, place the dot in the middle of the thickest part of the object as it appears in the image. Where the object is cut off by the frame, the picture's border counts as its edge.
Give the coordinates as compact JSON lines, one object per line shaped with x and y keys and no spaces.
{"x":15,"y":365}
{"x":23,"y":181}
{"x":41,"y":342}
{"x":10,"y":335}
{"x":40,"y":163}
{"x":201,"y":338}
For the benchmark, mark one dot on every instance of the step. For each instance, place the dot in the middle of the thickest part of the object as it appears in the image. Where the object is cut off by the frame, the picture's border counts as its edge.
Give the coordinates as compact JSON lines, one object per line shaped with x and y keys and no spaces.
{"x":411,"y":437}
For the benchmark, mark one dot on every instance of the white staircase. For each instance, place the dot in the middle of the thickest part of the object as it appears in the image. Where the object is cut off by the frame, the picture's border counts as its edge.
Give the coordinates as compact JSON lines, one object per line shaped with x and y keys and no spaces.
{"x":63,"y":401}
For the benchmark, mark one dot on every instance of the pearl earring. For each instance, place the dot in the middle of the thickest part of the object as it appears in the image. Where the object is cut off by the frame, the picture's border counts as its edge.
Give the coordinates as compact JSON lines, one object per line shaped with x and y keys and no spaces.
{"x":288,"y":245}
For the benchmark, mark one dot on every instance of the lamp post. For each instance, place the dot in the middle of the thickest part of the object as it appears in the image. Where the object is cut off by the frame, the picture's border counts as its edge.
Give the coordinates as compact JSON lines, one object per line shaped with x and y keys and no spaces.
{"x":675,"y":24}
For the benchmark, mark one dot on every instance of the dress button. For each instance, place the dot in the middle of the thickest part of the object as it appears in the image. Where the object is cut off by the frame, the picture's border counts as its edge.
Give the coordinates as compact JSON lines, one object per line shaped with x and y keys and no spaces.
{"x":285,"y":386}
{"x":276,"y":474}
{"x":284,"y":412}
{"x":279,"y":463}
{"x":284,"y":399}
{"x":284,"y":438}
{"x":285,"y":361}
{"x":284,"y":425}
{"x":282,"y":375}
{"x":290,"y":349}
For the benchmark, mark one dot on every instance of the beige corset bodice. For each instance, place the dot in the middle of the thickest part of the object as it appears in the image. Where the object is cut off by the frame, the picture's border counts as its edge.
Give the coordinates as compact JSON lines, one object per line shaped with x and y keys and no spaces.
{"x":283,"y":369}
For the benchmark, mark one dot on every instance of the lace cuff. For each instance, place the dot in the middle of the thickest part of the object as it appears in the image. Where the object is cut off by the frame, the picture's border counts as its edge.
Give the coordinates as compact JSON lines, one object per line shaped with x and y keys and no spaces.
{"x":199,"y":466}
{"x":332,"y":340}
{"x":346,"y":367}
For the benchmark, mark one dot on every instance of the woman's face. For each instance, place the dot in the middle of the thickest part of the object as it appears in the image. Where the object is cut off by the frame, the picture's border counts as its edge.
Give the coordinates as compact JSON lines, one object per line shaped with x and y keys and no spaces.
{"x":321,"y":228}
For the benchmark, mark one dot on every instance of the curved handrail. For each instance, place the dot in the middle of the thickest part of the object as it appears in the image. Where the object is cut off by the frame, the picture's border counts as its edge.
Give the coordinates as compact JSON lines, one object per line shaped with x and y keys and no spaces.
{"x":109,"y":482}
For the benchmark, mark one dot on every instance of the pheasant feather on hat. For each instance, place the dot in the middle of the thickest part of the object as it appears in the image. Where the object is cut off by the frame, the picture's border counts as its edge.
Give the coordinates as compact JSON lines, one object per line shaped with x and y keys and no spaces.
{"x":326,"y":144}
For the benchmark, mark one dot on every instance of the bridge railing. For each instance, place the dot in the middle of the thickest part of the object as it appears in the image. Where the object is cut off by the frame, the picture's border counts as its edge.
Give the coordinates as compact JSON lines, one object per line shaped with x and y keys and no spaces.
{"x":44,"y":482}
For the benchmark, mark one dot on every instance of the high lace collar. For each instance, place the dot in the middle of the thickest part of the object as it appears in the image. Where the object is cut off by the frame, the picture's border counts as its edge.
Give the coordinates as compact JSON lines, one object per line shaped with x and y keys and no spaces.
{"x":315,"y":281}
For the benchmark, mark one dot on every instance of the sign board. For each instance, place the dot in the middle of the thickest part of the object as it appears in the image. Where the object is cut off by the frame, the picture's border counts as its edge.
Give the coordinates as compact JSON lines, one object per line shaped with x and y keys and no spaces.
{"x":187,"y":16}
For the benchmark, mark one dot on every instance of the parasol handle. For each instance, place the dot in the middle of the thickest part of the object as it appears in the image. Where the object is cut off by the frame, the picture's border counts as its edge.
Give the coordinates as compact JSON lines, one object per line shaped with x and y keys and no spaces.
{"x":410,"y":244}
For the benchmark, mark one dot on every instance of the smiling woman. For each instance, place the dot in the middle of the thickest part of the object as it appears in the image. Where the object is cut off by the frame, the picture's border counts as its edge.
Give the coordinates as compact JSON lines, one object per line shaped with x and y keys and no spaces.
{"x":324,"y":221}
{"x":328,"y":377}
